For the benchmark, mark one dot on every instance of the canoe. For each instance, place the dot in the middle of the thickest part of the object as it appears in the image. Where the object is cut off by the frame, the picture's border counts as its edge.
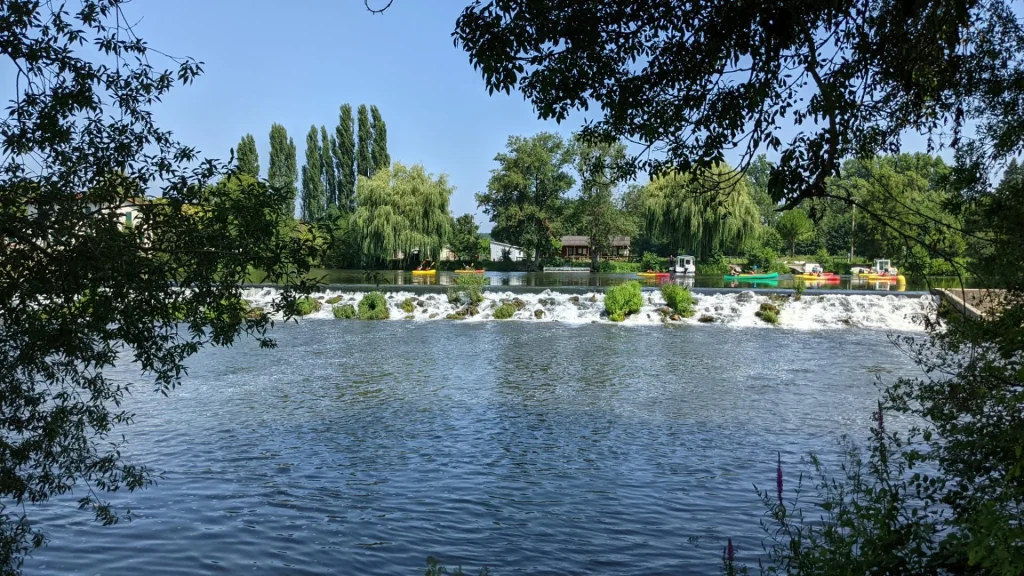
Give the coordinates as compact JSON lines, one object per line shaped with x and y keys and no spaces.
{"x":818,"y":277}
{"x":469,"y":271}
{"x":653,"y":274}
{"x":887,"y":278}
{"x":771,"y":276}
{"x":424,"y":272}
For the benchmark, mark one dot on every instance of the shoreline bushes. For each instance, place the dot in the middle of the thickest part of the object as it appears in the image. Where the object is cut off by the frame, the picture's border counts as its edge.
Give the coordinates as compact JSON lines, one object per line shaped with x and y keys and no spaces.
{"x":344,"y":312}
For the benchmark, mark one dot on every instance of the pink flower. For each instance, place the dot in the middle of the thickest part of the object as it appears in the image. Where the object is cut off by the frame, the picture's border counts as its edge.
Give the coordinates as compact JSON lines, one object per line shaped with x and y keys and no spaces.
{"x":730,"y":551}
{"x":880,"y":419}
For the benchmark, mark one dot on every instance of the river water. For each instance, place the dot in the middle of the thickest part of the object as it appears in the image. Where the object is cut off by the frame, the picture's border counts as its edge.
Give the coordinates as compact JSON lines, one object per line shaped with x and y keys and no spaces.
{"x":563,"y":446}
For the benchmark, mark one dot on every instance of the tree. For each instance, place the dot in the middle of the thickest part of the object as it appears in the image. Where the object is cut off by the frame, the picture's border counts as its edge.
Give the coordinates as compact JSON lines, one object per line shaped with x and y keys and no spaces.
{"x":465,"y":239}
{"x":597,"y":216}
{"x":283,"y":168}
{"x":330,"y":176}
{"x":794,"y":226}
{"x":82,"y":292}
{"x":692,"y":220}
{"x":248,"y":158}
{"x":345,"y":159}
{"x":313,"y":200}
{"x":379,"y":152}
{"x":364,"y":158}
{"x":758,"y":174}
{"x":526,"y":191}
{"x":695,"y":78}
{"x":400,"y":210}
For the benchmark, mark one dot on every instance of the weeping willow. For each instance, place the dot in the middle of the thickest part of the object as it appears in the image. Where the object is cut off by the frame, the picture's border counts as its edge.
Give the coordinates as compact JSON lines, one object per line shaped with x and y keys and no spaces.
{"x":401,"y":210}
{"x":703,"y":213}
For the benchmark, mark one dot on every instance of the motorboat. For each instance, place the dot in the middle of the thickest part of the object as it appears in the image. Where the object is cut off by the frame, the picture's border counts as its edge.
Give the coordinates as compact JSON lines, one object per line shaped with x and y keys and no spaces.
{"x":684,"y":266}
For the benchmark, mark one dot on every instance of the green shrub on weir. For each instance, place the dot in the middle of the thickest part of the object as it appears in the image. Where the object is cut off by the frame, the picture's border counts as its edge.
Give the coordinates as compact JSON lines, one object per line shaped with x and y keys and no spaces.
{"x":623,"y":300}
{"x":374,"y":306}
{"x":306,"y":305}
{"x":678,"y":299}
{"x":345,"y":312}
{"x":408,"y":306}
{"x":504,"y":312}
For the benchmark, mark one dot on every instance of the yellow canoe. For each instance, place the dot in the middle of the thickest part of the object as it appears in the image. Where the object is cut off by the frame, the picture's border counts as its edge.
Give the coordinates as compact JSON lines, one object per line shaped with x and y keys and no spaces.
{"x":469,"y":271}
{"x":424,"y":272}
{"x":887,"y":278}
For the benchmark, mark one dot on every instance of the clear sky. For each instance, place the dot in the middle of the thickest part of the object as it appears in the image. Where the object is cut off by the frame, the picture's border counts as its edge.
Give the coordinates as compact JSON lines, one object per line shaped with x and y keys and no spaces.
{"x":295,"y":63}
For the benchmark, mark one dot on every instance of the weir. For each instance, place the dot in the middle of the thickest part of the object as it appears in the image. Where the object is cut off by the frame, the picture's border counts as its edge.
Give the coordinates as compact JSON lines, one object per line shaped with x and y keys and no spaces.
{"x":585,"y":305}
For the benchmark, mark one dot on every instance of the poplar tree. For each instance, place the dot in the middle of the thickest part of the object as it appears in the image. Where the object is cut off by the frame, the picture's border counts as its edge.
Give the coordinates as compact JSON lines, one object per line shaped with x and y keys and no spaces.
{"x":379,"y":151}
{"x":248,"y":158}
{"x":327,"y":146}
{"x":282,"y":171}
{"x":313,"y":204}
{"x":345,"y":159}
{"x":364,"y":160}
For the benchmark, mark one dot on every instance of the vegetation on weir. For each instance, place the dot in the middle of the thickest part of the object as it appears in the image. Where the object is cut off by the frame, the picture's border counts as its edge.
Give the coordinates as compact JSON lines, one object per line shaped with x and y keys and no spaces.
{"x":678,"y":299}
{"x":622,"y":300}
{"x":374,"y":306}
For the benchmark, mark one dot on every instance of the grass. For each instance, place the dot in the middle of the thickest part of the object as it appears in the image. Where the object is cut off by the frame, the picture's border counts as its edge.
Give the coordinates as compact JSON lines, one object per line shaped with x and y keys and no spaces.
{"x":678,"y":299}
{"x":504,"y":312}
{"x":344,"y":312}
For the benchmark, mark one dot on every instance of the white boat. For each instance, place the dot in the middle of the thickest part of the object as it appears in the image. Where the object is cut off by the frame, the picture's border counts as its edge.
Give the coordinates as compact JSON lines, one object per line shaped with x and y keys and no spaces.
{"x":684,"y":266}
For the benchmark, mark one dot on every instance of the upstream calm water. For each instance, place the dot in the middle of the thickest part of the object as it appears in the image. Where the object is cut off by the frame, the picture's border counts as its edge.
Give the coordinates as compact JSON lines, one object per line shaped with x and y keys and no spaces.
{"x":528,"y":447}
{"x":555,"y":279}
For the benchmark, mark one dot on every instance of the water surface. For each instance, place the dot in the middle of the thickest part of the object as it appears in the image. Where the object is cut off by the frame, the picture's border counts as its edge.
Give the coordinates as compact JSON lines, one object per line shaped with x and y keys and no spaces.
{"x":532,"y":448}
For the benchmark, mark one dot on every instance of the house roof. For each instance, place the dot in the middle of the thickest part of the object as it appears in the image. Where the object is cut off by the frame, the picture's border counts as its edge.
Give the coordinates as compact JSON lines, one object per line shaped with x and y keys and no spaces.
{"x":585,"y":241}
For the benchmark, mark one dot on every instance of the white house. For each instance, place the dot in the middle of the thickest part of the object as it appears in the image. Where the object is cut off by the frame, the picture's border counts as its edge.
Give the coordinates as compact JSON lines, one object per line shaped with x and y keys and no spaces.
{"x":498,"y":250}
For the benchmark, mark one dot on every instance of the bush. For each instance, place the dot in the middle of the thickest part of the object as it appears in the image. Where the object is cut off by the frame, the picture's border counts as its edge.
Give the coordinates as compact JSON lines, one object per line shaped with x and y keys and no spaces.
{"x":344,"y":312}
{"x":623,"y":300}
{"x":538,"y":314}
{"x":305,"y":306}
{"x":374,"y":306}
{"x":613,"y":267}
{"x":678,"y":299}
{"x":764,"y":259}
{"x":652,"y":262}
{"x":798,"y":289}
{"x":769,"y":313}
{"x":469,"y":289}
{"x":408,"y":306}
{"x":715,"y":265}
{"x":504,"y":312}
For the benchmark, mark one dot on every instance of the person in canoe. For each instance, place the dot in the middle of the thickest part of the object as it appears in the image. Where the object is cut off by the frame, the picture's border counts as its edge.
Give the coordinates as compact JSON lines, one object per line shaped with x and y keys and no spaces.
{"x":425,"y":265}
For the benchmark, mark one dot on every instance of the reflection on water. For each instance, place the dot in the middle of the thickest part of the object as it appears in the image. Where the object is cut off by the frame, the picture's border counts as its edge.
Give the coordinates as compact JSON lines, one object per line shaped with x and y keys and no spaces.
{"x":552,"y":279}
{"x":361,"y":448}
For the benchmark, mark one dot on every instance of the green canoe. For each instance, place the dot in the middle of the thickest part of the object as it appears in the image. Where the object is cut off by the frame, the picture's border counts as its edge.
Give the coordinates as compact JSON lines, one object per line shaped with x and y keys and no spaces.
{"x":771,"y":276}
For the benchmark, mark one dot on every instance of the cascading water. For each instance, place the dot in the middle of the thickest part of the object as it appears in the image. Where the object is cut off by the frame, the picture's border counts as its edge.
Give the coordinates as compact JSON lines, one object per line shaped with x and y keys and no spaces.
{"x":812,"y":312}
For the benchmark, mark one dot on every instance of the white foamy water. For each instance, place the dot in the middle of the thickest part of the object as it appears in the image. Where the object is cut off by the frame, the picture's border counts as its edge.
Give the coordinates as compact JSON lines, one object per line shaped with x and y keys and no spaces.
{"x":827,"y":311}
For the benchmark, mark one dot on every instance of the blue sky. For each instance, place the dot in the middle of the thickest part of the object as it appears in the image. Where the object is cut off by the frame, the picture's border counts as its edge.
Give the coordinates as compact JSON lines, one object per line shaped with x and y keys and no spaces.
{"x":295,"y":63}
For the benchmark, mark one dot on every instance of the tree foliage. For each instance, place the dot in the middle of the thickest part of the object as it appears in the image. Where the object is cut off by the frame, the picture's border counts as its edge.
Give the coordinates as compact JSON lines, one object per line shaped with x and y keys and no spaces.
{"x":330,"y":176}
{"x":345,"y":159}
{"x":525,"y":194}
{"x":247,"y":156}
{"x":793,"y":226}
{"x":82,"y":291}
{"x":283,"y":170}
{"x":465,"y":238}
{"x":400,"y":210}
{"x":596,"y":213}
{"x":313,"y":199}
{"x":695,"y":79}
{"x":379,"y":157}
{"x":364,"y":145}
{"x":695,"y":221}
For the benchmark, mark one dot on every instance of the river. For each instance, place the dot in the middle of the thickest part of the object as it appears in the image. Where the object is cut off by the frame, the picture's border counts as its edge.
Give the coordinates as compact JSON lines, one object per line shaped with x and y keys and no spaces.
{"x":568,"y":445}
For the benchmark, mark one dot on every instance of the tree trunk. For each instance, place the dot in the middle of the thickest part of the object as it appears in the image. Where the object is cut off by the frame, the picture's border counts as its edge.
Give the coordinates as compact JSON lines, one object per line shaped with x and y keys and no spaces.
{"x":595,"y":259}
{"x":792,"y":249}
